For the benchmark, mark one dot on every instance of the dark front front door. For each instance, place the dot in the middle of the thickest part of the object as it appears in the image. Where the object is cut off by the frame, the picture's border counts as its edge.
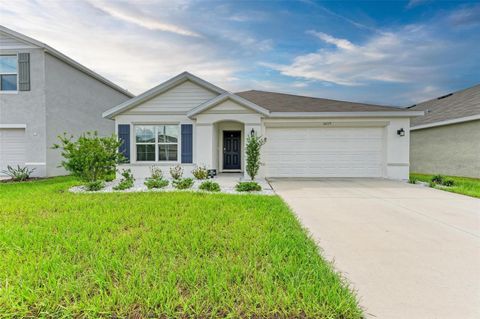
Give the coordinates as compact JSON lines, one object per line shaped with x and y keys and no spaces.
{"x":231,"y":150}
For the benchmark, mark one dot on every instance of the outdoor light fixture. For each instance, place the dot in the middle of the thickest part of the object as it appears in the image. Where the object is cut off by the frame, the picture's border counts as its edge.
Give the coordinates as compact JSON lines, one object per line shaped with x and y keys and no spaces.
{"x":401,"y":132}
{"x":252,"y":132}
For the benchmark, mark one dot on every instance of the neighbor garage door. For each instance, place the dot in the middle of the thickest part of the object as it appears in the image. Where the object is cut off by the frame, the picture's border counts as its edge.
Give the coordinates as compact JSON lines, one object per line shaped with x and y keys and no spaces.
{"x":324,"y":152}
{"x":12,"y":148}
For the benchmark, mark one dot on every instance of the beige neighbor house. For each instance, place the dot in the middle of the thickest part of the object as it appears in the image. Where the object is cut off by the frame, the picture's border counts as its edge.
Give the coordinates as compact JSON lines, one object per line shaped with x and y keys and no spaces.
{"x":447,"y":139}
{"x":189,"y":121}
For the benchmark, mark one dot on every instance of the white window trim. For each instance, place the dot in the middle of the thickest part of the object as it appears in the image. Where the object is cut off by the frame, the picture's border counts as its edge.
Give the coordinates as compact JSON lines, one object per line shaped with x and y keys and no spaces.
{"x":156,"y":143}
{"x":9,"y":73}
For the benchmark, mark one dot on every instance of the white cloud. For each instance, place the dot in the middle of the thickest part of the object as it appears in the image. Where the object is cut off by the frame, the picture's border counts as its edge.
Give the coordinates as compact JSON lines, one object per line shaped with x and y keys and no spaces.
{"x":398,"y":57}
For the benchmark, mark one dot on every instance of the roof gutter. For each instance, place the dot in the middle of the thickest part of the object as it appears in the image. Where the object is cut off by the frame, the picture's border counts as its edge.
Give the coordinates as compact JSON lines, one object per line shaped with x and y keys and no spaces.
{"x":345,"y":114}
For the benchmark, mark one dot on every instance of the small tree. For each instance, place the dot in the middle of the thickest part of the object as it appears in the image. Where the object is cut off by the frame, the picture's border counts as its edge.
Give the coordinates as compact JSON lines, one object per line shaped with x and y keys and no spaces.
{"x":254,"y":145}
{"x":90,"y":157}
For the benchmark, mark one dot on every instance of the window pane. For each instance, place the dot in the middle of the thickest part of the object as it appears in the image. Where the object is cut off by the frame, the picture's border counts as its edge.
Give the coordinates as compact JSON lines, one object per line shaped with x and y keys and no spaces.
{"x":8,"y":64}
{"x":167,"y":152}
{"x":167,"y":133}
{"x":146,"y":152}
{"x":145,"y":134}
{"x":8,"y":82}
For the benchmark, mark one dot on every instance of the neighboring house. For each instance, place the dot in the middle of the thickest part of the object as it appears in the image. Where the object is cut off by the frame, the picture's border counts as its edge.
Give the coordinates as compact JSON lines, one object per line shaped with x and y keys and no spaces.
{"x":447,"y":139}
{"x":190,"y":121}
{"x":43,"y":93}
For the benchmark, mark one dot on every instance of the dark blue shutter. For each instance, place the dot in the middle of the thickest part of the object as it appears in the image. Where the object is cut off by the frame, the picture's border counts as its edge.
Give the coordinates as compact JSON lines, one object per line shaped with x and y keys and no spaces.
{"x":124,"y":137}
{"x":187,"y":143}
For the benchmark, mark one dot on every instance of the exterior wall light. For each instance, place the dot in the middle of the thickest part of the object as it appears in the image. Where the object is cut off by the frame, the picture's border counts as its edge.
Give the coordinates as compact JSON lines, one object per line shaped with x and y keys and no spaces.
{"x":401,"y":132}
{"x":252,"y":132}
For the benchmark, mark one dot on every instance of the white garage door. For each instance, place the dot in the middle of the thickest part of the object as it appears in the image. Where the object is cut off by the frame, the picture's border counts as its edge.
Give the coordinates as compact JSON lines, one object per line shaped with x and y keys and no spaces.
{"x":12,"y":148}
{"x":324,"y":152}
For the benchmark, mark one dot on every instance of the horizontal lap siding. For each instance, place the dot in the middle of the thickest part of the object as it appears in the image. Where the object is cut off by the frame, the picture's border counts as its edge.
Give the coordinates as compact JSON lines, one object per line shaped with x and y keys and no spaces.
{"x":181,"y":98}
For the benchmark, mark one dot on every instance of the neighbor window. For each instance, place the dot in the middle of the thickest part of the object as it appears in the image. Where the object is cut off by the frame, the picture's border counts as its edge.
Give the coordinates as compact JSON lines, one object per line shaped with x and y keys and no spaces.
{"x":157,"y":143}
{"x":8,"y":72}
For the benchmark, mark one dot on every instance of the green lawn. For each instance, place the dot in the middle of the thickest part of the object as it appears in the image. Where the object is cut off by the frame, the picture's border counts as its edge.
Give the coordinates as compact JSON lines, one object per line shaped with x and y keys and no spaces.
{"x":159,"y":255}
{"x":463,"y":185}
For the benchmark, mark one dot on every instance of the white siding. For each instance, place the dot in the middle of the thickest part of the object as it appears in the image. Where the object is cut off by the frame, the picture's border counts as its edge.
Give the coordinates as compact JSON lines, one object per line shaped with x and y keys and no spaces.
{"x":181,"y":98}
{"x":229,"y":107}
{"x":8,"y":42}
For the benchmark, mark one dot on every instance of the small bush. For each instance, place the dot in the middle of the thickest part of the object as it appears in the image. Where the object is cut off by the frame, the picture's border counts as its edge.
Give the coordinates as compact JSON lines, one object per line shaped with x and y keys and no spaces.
{"x":200,"y":172}
{"x":176,"y":172}
{"x":126,"y":182}
{"x":156,"y":172}
{"x":210,"y":186}
{"x":18,"y":174}
{"x":254,"y":145}
{"x":156,"y":183}
{"x":248,"y":187}
{"x":94,"y":186}
{"x":437,"y":179}
{"x":183,"y":183}
{"x":448,"y":182}
{"x":432,"y":184}
{"x":412,"y":180}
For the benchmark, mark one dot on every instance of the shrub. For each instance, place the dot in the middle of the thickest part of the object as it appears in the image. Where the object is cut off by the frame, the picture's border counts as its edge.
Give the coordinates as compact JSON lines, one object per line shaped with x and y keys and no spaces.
{"x":432,"y":184}
{"x":183,"y":183}
{"x":254,"y":144}
{"x":412,"y":180}
{"x":156,"y":172}
{"x":18,"y":174}
{"x":437,"y":179}
{"x":126,"y":182}
{"x":94,"y":186}
{"x":156,"y":183}
{"x":176,"y":172}
{"x":90,"y":157}
{"x":248,"y":187}
{"x":200,"y":172}
{"x":448,"y":182}
{"x":210,"y":186}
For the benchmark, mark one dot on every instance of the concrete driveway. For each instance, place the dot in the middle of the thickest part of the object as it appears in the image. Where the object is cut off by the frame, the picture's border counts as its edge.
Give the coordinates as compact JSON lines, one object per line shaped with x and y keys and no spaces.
{"x":408,"y":250}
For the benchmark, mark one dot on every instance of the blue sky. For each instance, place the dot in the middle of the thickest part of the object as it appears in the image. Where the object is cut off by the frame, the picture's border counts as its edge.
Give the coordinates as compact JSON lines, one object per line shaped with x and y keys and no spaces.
{"x":389,"y":52}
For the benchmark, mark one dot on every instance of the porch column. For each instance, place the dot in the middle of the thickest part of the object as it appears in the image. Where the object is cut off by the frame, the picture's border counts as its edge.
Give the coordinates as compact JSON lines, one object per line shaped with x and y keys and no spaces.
{"x":204,"y":144}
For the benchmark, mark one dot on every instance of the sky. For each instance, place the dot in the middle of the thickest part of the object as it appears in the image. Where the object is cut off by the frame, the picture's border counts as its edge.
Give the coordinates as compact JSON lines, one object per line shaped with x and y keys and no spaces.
{"x":388,"y":52}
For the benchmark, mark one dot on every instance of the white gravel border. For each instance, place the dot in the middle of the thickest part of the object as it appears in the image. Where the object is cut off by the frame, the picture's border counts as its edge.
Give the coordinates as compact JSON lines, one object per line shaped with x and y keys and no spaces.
{"x":139,"y":186}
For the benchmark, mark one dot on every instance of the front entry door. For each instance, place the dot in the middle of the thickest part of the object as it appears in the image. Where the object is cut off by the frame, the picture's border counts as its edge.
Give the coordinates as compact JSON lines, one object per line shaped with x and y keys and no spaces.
{"x":231,"y":150}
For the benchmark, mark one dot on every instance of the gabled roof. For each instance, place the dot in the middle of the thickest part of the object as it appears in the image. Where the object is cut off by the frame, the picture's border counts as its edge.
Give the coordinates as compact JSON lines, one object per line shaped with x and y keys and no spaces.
{"x":223,"y":97}
{"x":159,"y":89}
{"x":451,"y":108}
{"x":281,"y":102}
{"x":63,"y":58}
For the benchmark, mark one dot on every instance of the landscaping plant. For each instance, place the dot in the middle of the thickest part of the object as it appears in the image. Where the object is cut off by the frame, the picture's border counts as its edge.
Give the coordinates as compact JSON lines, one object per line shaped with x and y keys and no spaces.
{"x":18,"y":174}
{"x":183,"y":183}
{"x":91,"y":157}
{"x":210,"y":186}
{"x":461,"y":185}
{"x":248,"y":187}
{"x":126,"y":182}
{"x":254,"y":145}
{"x":94,"y":186}
{"x":448,"y":182}
{"x":156,"y":179}
{"x":437,"y":179}
{"x":176,"y":172}
{"x":200,"y":172}
{"x":412,"y":180}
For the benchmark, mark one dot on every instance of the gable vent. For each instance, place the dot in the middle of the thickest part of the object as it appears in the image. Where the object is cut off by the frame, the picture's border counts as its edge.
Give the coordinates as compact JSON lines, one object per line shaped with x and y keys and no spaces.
{"x":444,"y":96}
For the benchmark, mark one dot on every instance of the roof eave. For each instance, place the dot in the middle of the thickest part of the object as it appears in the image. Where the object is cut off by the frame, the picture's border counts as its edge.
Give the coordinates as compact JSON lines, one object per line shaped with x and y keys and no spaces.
{"x":446,"y":122}
{"x":346,"y":114}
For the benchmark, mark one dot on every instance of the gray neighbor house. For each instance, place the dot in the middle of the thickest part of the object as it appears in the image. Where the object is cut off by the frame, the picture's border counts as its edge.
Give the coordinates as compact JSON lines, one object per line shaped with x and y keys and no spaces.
{"x":446,"y":140}
{"x":44,"y":93}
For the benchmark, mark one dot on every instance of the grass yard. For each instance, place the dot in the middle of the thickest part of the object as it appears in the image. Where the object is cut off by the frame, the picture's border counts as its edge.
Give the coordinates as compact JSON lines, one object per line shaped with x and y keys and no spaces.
{"x":463,"y":185}
{"x":159,"y":255}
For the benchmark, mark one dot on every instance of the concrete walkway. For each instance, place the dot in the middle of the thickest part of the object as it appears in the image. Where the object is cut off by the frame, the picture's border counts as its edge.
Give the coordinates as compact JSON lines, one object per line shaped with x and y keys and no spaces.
{"x":408,"y":250}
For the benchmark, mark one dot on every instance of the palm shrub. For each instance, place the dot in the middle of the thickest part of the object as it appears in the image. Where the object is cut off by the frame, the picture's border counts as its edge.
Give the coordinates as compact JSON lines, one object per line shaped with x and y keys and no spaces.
{"x":254,"y":145}
{"x":126,"y":182}
{"x":91,"y":157}
{"x":18,"y":174}
{"x":210,"y":186}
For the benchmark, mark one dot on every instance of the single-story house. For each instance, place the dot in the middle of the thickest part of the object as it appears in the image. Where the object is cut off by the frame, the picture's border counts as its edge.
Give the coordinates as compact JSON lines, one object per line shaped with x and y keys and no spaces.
{"x":190,"y":121}
{"x":447,"y":139}
{"x":44,"y":93}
